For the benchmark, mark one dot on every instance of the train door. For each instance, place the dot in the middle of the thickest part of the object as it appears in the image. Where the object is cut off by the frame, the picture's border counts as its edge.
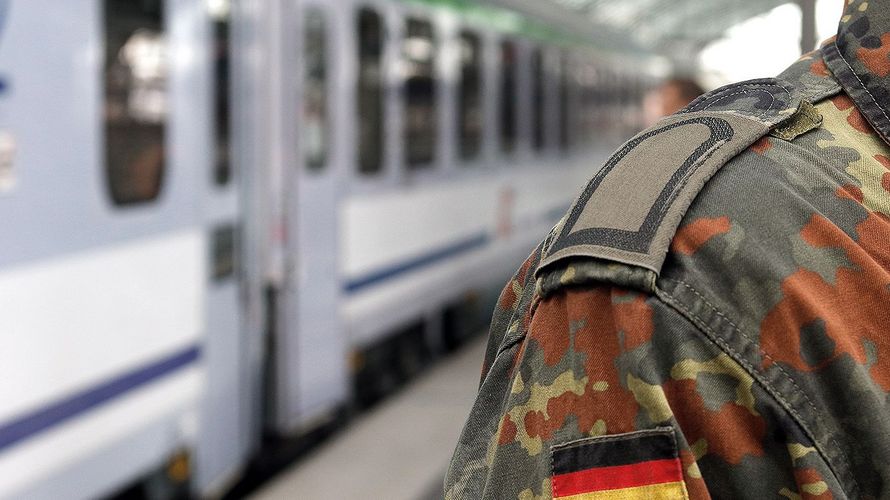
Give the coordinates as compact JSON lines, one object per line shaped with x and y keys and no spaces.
{"x":311,"y":353}
{"x":224,"y":429}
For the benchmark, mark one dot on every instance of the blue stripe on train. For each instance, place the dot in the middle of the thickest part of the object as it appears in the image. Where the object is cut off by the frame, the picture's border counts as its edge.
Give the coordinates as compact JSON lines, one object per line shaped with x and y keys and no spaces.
{"x":473,"y":243}
{"x":37,"y":421}
{"x":373,"y":278}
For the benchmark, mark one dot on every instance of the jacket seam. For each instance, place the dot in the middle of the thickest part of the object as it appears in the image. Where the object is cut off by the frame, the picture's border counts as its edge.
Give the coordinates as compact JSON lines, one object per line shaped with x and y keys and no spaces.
{"x":516,"y":317}
{"x":833,"y":56}
{"x":508,"y":343}
{"x":861,"y":84}
{"x":710,"y":100}
{"x":608,"y":438}
{"x":743,"y":92}
{"x":699,"y":323}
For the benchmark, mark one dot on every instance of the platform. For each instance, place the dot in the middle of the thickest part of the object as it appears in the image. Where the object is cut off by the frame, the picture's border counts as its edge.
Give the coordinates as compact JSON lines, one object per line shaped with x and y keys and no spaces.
{"x":399,"y":450}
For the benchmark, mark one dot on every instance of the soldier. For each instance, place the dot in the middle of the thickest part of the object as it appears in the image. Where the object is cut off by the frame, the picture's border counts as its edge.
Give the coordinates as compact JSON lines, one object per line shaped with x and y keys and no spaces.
{"x":712,"y":316}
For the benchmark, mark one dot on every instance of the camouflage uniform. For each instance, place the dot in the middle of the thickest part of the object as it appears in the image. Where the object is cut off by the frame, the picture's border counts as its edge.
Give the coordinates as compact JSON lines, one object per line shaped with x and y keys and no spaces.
{"x":718,"y":298}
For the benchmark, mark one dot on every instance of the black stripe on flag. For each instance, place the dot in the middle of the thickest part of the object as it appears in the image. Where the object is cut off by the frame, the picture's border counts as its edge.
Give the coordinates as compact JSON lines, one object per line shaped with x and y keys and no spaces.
{"x":607,"y":451}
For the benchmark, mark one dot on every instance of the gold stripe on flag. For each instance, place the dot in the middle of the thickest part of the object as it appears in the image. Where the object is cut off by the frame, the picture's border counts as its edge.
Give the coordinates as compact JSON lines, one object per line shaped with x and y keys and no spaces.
{"x":662,"y":491}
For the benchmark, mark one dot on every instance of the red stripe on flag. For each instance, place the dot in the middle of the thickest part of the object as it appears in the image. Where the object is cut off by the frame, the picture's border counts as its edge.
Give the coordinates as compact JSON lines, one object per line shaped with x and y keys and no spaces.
{"x":620,"y":476}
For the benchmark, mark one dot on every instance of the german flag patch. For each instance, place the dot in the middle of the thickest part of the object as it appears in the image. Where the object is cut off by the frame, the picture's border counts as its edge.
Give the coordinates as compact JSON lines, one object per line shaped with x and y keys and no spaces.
{"x":637,"y":465}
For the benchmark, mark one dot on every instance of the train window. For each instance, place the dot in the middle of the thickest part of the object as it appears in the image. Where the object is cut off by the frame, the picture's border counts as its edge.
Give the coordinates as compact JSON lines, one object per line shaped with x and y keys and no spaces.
{"x":223,"y":251}
{"x":588,"y":107}
{"x":565,"y":109}
{"x":419,"y":60}
{"x":508,"y":96}
{"x":315,"y":109}
{"x":538,"y":79}
{"x":371,"y":38}
{"x":135,"y":108}
{"x":221,"y":14}
{"x":470,"y":99}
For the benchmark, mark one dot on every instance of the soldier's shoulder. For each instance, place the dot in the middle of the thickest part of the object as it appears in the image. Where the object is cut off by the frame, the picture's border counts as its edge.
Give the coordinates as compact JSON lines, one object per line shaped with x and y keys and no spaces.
{"x":621,"y":228}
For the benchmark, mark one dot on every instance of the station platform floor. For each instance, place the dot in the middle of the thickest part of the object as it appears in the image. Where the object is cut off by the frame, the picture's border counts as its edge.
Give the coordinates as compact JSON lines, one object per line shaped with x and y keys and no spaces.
{"x":397,"y":451}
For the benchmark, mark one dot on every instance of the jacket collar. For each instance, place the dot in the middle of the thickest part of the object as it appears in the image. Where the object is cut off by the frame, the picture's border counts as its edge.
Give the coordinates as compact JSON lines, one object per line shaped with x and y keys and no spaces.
{"x":859,"y":57}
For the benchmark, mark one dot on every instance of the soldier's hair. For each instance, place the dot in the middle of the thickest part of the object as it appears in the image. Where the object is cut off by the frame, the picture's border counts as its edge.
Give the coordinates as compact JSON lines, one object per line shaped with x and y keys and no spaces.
{"x":688,"y":88}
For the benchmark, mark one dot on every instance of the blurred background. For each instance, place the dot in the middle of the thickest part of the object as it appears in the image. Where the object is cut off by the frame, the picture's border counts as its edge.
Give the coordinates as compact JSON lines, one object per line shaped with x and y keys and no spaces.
{"x":249,"y":248}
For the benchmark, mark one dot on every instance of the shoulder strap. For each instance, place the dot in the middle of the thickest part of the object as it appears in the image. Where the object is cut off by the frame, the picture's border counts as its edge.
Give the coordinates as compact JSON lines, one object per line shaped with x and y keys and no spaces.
{"x":631,"y":208}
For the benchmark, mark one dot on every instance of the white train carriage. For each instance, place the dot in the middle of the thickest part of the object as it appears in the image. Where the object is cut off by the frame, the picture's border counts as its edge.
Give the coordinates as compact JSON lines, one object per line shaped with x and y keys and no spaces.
{"x":121,"y":333}
{"x":213,"y":210}
{"x":433,"y":144}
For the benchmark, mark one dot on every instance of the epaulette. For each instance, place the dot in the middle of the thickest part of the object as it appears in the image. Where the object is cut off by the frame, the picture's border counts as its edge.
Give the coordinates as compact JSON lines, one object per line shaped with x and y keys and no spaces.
{"x":628,"y":213}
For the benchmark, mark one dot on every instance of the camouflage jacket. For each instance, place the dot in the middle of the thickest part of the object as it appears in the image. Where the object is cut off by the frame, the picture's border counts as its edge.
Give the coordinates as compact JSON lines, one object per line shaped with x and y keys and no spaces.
{"x":712,"y":316}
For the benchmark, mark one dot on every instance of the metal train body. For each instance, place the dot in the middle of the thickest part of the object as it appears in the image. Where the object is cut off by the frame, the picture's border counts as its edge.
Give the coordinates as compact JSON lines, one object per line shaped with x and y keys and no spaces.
{"x":208,"y":209}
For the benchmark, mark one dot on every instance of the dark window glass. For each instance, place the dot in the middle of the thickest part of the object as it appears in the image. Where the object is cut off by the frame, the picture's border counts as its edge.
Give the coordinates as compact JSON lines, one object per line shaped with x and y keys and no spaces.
{"x":223,"y":251}
{"x":222,"y":171}
{"x":470,"y":115}
{"x":508,"y":96}
{"x":565,"y":109}
{"x":588,"y":113}
{"x":371,"y":37}
{"x":315,"y":109}
{"x":419,"y":60}
{"x":135,"y":76}
{"x":584,"y":107}
{"x":538,"y":104}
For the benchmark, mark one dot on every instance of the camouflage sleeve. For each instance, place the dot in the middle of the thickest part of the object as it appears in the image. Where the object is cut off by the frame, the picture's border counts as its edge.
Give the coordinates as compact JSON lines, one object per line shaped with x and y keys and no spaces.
{"x":598,"y":389}
{"x":509,"y":303}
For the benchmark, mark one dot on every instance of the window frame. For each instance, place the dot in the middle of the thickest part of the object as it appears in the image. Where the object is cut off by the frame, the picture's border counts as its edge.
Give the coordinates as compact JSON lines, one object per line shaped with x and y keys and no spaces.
{"x":161,"y":179}
{"x":538,"y":96}
{"x":223,"y":174}
{"x":327,"y":113}
{"x":564,"y":143}
{"x":463,"y":156}
{"x":508,"y":102}
{"x":382,"y":130}
{"x":430,"y":163}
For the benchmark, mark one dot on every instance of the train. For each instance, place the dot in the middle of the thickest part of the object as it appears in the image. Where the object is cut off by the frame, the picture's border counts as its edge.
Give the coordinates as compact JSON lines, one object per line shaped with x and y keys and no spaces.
{"x":226,"y":219}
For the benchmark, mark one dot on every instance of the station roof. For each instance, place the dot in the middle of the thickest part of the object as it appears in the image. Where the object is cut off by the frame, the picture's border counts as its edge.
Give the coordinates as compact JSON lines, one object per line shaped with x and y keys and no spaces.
{"x":676,"y":29}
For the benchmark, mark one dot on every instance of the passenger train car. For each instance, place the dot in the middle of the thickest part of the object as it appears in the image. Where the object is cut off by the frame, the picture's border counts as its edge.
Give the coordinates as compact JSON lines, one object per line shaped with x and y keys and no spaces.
{"x":228,"y":220}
